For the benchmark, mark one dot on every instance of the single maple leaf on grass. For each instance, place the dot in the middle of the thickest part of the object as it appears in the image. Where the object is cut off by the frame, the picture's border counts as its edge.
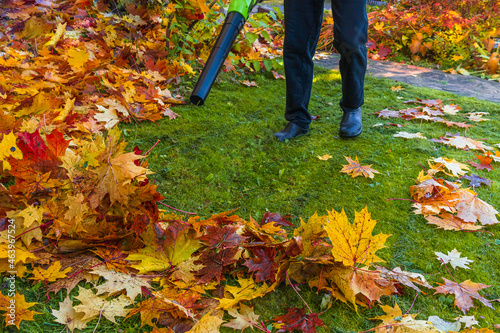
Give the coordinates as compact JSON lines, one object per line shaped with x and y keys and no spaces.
{"x":355,"y":169}
{"x":453,"y":257}
{"x":464,"y":293}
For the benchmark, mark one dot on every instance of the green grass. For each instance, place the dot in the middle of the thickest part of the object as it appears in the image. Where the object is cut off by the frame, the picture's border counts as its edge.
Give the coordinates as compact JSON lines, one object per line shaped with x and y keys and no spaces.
{"x":223,"y":156}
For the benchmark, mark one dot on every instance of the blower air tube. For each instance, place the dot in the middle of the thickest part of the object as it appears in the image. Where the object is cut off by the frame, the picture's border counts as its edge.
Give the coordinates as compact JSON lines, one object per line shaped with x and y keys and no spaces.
{"x":232,"y":26}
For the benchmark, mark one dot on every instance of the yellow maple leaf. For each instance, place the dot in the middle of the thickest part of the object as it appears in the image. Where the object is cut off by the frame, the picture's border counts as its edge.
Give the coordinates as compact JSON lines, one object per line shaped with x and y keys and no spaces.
{"x":209,"y":323}
{"x":61,"y":28}
{"x":21,"y":309}
{"x":355,"y":169}
{"x":94,"y":306}
{"x":247,"y":290}
{"x":354,"y":244}
{"x":50,"y":274}
{"x":77,"y":58}
{"x":67,"y":315}
{"x":8,"y":148}
{"x":325,"y":157}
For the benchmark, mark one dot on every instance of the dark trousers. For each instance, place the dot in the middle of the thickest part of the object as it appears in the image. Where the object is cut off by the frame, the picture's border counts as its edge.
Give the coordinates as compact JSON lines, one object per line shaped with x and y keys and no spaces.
{"x":303,"y":19}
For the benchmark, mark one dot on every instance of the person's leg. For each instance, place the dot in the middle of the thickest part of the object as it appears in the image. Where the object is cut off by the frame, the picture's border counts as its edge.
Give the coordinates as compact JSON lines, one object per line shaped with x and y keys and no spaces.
{"x":303,"y":20}
{"x":350,"y":38}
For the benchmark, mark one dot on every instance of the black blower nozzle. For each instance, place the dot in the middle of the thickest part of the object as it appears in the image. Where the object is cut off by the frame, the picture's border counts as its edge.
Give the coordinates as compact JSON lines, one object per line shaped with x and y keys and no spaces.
{"x":232,"y":26}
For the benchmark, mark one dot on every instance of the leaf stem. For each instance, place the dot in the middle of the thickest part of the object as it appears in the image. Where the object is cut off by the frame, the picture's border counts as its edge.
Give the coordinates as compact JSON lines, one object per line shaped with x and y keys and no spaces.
{"x":293,"y":287}
{"x":176,"y":209}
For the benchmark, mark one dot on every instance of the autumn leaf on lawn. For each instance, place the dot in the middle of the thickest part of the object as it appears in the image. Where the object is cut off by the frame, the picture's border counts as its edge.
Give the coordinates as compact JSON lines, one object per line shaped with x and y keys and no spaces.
{"x":453,"y":258}
{"x":209,"y":323}
{"x":243,"y":319}
{"x":354,"y":244}
{"x":67,"y":316}
{"x":277,"y":75}
{"x":397,"y":88}
{"x":484,"y":162}
{"x":353,"y":281}
{"x":462,"y":142}
{"x":116,"y":281}
{"x":407,"y":135}
{"x":451,"y":109}
{"x":405,"y":278}
{"x":94,"y":306}
{"x":263,"y":263}
{"x":394,"y":321}
{"x":214,"y":263}
{"x":325,"y":157}
{"x":469,"y":321}
{"x":355,"y":169}
{"x":247,"y":290}
{"x":297,"y":319}
{"x":448,"y":221}
{"x":476,"y":181}
{"x":478,"y":116}
{"x":472,"y":209}
{"x":454,"y":168}
{"x":21,"y":309}
{"x":50,"y":274}
{"x":464,"y":293}
{"x":249,"y":84}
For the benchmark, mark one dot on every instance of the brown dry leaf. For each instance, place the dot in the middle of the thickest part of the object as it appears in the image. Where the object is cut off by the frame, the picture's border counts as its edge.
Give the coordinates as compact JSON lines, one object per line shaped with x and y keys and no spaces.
{"x":355,"y":169}
{"x":94,"y":306}
{"x":405,"y":278}
{"x":116,"y":281}
{"x":464,"y":293}
{"x":472,"y":209}
{"x":243,"y":319}
{"x":448,"y":221}
{"x":67,"y":316}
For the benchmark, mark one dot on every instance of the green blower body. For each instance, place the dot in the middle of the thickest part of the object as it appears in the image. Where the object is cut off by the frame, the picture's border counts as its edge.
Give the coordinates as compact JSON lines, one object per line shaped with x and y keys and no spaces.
{"x":237,"y":14}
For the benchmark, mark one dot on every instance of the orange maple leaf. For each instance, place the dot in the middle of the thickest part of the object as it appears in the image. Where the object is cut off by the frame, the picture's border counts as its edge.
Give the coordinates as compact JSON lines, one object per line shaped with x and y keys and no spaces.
{"x":355,"y":169}
{"x":464,"y":293}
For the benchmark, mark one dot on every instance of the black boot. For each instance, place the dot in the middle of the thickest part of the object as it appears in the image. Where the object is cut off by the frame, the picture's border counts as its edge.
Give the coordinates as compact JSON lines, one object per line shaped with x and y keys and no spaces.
{"x":291,"y":131}
{"x":351,"y":124}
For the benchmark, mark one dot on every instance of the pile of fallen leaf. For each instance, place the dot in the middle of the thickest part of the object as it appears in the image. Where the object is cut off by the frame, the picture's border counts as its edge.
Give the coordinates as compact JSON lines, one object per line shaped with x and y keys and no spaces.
{"x":455,"y":34}
{"x":82,"y":206}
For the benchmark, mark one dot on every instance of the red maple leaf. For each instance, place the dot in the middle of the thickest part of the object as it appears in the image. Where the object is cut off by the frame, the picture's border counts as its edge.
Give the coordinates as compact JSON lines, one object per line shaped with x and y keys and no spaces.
{"x":276,"y":217}
{"x":214,"y":263}
{"x":226,"y":237}
{"x":263,"y":263}
{"x":296,"y":319}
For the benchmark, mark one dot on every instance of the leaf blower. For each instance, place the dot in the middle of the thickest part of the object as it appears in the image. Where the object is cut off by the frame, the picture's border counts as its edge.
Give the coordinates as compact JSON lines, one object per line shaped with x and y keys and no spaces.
{"x":237,"y":14}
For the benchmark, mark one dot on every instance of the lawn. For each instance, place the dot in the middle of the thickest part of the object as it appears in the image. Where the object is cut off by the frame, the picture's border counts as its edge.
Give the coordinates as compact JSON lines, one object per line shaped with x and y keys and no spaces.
{"x":223,"y":156}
